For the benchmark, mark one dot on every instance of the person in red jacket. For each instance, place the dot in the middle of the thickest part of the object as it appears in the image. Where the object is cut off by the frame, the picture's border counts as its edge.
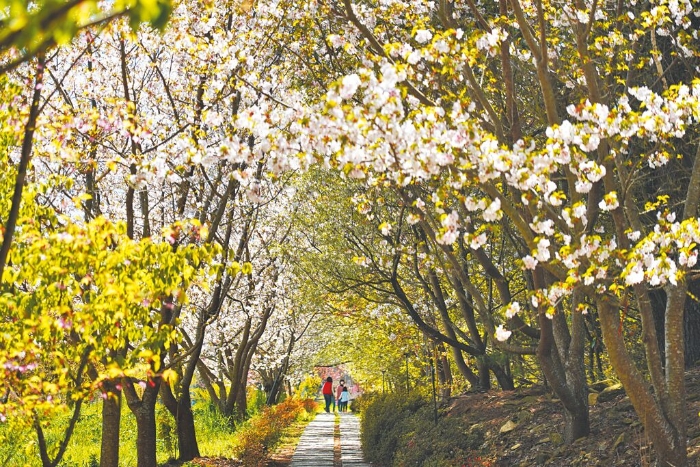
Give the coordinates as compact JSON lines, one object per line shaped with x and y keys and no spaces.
{"x":327,"y":391}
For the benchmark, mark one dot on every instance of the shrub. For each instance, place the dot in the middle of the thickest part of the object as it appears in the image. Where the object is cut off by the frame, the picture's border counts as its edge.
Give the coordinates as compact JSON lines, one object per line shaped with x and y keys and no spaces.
{"x":446,"y":444}
{"x":383,"y":424}
{"x":310,"y":405}
{"x":261,"y":433}
{"x":308,"y":389}
{"x":256,"y":399}
{"x":401,"y":432}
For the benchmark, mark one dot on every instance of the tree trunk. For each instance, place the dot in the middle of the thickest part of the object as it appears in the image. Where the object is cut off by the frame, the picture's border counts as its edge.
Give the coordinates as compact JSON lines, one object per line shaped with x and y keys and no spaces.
{"x":576,"y":423}
{"x":277,"y":384}
{"x":146,"y":436}
{"x":186,"y":434}
{"x":484,"y":374}
{"x":560,"y":352}
{"x":505,"y":380}
{"x":464,"y":369}
{"x":181,"y":410}
{"x":111,"y":417}
{"x":242,"y":398}
{"x":691,"y":322}
{"x":144,"y":410}
{"x":446,"y":372}
{"x":670,"y":450}
{"x":692,"y":332}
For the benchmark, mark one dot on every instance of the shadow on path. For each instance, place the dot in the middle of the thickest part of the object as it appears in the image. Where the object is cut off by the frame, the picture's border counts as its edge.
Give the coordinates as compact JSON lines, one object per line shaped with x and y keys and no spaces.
{"x":315,"y":448}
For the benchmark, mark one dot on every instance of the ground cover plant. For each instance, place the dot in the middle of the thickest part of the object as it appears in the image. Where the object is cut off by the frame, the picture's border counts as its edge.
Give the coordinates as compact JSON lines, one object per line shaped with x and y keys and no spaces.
{"x":216,"y":432}
{"x":509,"y":428}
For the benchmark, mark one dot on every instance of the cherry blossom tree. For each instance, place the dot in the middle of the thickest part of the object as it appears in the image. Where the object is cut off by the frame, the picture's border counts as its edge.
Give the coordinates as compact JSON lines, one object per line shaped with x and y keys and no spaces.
{"x":562,"y":137}
{"x":426,"y":106}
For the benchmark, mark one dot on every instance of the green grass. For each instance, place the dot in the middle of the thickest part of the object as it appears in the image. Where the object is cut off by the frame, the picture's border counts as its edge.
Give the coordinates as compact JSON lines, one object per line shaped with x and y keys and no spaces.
{"x":18,"y":446}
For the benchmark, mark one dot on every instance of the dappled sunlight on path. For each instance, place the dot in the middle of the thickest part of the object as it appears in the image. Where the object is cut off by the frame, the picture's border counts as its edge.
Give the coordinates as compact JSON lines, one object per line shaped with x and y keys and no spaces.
{"x":350,"y":446}
{"x":316,"y":446}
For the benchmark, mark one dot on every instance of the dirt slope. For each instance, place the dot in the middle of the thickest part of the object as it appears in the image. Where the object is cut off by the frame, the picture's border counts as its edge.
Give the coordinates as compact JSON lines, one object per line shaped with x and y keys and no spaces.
{"x":523,"y":428}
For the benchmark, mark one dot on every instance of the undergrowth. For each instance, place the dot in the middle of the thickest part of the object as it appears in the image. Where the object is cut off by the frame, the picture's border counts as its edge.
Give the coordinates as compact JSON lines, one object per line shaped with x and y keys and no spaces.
{"x":216,"y":435}
{"x":400,"y":431}
{"x":262,"y":433}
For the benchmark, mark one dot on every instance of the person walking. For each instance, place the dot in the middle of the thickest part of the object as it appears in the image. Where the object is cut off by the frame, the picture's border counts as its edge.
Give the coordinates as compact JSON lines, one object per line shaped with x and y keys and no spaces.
{"x":327,"y":391}
{"x":344,"y":399}
{"x":338,"y":392}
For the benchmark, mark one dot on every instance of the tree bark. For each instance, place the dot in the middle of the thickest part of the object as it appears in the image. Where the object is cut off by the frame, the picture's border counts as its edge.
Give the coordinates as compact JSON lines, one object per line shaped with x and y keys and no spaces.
{"x":181,"y":407}
{"x":484,"y":374}
{"x":692,"y":327}
{"x":504,"y":378}
{"x":670,"y":451}
{"x":111,"y":418}
{"x":144,"y":410}
{"x":560,"y":353}
{"x":27,"y":145}
{"x":181,"y":410}
{"x":277,"y":384}
{"x":146,"y":436}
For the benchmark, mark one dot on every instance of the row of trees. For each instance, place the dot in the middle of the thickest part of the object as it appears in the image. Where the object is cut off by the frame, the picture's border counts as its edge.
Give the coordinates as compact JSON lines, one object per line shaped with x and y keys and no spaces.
{"x":518,"y":178}
{"x":144,"y":241}
{"x":528,"y":185}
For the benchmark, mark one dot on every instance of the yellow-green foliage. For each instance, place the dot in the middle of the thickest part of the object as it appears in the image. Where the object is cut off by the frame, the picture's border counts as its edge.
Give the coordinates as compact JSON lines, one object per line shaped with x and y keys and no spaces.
{"x":309,"y":386}
{"x":35,"y":25}
{"x":255,"y":439}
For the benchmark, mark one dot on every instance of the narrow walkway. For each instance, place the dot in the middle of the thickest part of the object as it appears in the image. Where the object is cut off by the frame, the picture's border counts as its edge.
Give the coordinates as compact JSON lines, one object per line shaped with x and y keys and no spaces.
{"x":315,"y":448}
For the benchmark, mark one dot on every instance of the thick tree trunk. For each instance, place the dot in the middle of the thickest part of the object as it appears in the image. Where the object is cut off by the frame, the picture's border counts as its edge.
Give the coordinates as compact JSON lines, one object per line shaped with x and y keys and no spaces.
{"x":446,"y":374}
{"x":670,"y":449}
{"x":146,"y":435}
{"x":574,"y":397}
{"x":692,"y":332}
{"x":242,"y":398}
{"x":691,"y":322}
{"x":464,"y":369}
{"x":484,"y":374}
{"x":144,"y":410}
{"x":576,"y":423}
{"x":181,"y":410}
{"x":278,"y":382}
{"x":560,"y":352}
{"x":186,"y":434}
{"x":111,"y":417}
{"x":504,"y":378}
{"x":571,"y":388}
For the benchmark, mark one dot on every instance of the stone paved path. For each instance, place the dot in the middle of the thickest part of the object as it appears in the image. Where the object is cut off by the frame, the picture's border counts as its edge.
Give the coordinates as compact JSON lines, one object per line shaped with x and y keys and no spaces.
{"x":315,"y":448}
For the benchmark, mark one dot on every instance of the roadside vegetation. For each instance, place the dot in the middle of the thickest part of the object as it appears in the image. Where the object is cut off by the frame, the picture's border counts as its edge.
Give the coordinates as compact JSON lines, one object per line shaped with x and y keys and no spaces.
{"x":247,"y":443}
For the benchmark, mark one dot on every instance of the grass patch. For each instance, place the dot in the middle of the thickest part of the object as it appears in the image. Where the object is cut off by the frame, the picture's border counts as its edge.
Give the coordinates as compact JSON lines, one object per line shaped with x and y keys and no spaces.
{"x":216,"y":435}
{"x":18,"y":446}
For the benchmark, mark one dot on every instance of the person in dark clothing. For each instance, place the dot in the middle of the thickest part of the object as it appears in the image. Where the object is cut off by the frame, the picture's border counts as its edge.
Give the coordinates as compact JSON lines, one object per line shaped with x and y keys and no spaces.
{"x":327,"y":390}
